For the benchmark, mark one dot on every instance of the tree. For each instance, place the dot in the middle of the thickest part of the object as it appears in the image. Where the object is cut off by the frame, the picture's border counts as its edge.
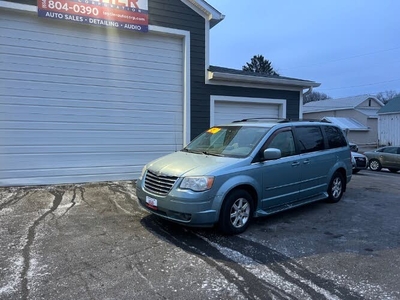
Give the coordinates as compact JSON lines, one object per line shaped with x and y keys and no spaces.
{"x":386,"y":96}
{"x":315,"y":96}
{"x":259,"y":64}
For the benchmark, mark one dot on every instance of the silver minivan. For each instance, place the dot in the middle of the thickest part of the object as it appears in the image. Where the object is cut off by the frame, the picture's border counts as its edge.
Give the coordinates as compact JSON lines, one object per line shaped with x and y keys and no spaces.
{"x":250,"y":168}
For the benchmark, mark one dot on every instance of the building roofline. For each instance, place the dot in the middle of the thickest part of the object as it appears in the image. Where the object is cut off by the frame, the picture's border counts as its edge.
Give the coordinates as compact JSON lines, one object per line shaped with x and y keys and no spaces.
{"x":225,"y":74}
{"x":205,"y":10}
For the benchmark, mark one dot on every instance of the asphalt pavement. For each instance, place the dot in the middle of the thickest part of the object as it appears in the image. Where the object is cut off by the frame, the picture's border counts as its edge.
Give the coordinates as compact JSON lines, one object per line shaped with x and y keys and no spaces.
{"x":93,"y":241}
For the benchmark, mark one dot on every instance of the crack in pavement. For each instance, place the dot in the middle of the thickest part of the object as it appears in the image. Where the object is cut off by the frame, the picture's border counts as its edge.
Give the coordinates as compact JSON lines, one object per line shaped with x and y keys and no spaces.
{"x":119,"y":189}
{"x":13,"y":200}
{"x":26,"y":251}
{"x":73,"y":203}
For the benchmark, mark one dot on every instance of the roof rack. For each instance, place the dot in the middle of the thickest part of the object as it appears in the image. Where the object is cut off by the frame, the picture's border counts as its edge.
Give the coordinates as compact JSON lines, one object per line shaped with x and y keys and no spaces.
{"x":304,"y":120}
{"x":259,"y":120}
{"x":280,"y":120}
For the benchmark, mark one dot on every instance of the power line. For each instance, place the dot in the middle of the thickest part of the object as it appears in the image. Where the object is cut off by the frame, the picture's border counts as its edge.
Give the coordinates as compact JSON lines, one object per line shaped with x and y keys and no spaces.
{"x":368,"y":84}
{"x":341,"y":59}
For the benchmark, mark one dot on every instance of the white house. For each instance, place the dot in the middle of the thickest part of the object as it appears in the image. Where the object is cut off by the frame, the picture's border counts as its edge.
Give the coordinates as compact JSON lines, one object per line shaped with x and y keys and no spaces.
{"x":358,"y":114}
{"x":389,"y":123}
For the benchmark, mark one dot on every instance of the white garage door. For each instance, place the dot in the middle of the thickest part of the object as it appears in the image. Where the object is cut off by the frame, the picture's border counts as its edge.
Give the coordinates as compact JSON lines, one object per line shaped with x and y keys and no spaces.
{"x":229,"y":109}
{"x":81,"y":103}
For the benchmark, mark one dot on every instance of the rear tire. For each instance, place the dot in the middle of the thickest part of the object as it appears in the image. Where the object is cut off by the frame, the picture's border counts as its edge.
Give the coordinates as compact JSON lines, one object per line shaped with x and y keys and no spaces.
{"x":375,"y":165}
{"x":336,"y":188}
{"x":236,"y":212}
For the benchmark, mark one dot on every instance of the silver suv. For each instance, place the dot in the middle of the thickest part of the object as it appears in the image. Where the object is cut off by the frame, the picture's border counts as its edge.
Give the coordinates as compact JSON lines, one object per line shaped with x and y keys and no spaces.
{"x":249,"y":168}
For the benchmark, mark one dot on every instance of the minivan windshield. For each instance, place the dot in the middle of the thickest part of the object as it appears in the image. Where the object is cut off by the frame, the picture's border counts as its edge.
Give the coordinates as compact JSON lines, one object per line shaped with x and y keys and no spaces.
{"x":230,"y":141}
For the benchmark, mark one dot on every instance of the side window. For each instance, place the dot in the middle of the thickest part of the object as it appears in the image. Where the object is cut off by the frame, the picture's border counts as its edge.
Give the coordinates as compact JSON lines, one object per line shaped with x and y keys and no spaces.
{"x":310,"y":138}
{"x":335,"y":137}
{"x":283,"y":141}
{"x":392,"y":150}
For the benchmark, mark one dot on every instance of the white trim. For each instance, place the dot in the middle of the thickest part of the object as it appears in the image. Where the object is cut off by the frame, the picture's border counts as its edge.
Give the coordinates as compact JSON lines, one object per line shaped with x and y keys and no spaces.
{"x":214,"y":98}
{"x":207,"y":51}
{"x":301,"y":105}
{"x":185,"y":35}
{"x":186,"y":74}
{"x":283,"y":82}
{"x":208,"y":12}
{"x":256,"y":85}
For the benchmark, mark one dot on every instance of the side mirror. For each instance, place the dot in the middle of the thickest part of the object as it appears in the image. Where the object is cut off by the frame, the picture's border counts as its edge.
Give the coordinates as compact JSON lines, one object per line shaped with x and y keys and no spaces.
{"x":272,"y":153}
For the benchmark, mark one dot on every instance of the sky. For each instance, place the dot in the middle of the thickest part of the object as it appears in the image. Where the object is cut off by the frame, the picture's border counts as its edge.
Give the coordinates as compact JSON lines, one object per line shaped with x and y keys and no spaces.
{"x":351,"y":47}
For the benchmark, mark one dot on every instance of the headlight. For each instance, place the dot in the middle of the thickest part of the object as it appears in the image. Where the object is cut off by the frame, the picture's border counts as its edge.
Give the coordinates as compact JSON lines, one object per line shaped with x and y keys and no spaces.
{"x":197,"y":184}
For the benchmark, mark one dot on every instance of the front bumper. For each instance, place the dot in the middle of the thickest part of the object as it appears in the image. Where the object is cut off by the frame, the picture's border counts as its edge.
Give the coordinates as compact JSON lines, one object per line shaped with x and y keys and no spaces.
{"x":192,"y":209}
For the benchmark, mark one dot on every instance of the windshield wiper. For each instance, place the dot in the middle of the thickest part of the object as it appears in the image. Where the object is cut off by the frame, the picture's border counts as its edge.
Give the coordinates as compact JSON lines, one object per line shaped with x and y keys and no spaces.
{"x":212,"y":153}
{"x":201,"y":152}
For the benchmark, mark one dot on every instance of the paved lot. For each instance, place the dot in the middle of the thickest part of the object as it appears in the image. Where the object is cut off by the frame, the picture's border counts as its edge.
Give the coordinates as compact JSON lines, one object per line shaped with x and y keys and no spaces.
{"x":93,"y":241}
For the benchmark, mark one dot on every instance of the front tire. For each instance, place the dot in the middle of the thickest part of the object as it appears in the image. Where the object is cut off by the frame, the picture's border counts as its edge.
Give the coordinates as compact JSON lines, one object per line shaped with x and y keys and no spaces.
{"x":375,"y":165}
{"x":336,"y":188}
{"x":236,"y":212}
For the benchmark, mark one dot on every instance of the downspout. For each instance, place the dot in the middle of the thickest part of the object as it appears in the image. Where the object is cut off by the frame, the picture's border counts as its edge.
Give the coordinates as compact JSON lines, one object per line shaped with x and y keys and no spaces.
{"x":310,"y":89}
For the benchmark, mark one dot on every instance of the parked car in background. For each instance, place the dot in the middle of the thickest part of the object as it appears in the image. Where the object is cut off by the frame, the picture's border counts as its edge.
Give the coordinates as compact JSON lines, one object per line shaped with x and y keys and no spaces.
{"x":353,"y":147}
{"x":385,"y":157}
{"x":359,"y":162}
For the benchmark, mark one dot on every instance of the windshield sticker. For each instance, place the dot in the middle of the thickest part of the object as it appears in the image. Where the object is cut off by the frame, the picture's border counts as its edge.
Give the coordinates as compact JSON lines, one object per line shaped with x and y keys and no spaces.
{"x":213,"y":130}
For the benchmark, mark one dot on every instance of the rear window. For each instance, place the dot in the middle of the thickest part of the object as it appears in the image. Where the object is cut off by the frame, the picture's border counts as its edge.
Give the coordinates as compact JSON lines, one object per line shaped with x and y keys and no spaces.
{"x":310,"y":138}
{"x":335,"y":137}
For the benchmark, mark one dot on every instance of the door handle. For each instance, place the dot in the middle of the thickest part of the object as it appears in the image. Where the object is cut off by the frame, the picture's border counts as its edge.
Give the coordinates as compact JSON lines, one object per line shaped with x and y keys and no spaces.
{"x":306,"y":162}
{"x":295,"y":164}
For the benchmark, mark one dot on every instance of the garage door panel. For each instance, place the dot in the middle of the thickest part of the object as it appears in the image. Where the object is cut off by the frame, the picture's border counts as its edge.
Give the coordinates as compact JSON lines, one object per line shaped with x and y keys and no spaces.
{"x":88,"y":62}
{"x":63,"y":35}
{"x":229,"y":111}
{"x":52,"y":161}
{"x":82,"y":103}
{"x":165,"y":75}
{"x":135,"y":111}
{"x":101,"y":84}
{"x":127,"y":127}
{"x":67,"y":51}
{"x":140,"y":96}
{"x":142,"y":119}
{"x":106,"y":139}
{"x":63,"y":88}
{"x":11,"y":135}
{"x":138,"y":147}
{"x":127,"y":103}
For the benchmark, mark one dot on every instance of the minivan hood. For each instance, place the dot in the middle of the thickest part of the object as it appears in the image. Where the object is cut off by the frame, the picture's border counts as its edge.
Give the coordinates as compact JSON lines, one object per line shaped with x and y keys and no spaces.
{"x":181,"y":164}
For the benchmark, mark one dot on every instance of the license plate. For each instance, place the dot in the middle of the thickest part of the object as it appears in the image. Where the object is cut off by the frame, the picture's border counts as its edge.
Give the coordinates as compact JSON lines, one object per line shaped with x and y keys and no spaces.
{"x":151,"y":202}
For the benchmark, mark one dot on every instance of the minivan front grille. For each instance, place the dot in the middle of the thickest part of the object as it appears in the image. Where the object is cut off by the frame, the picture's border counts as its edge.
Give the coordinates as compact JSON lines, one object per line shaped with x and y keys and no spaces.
{"x":159,"y":184}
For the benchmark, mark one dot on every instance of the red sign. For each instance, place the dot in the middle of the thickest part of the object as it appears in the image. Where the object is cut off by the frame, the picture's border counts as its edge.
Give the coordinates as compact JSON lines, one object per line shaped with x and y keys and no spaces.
{"x":124,"y":14}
